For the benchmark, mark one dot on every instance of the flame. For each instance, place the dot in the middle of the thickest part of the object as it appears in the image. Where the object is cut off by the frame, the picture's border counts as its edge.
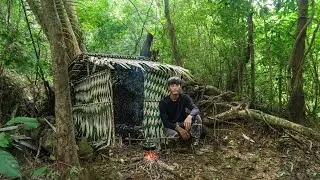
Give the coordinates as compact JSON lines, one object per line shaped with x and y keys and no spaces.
{"x":150,"y":156}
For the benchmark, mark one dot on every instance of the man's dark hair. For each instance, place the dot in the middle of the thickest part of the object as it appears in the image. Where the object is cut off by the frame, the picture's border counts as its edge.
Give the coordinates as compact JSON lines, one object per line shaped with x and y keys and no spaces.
{"x":175,"y":80}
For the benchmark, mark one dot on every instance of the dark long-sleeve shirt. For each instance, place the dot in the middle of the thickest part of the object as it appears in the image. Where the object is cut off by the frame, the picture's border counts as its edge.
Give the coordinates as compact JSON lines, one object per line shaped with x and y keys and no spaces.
{"x":175,"y":111}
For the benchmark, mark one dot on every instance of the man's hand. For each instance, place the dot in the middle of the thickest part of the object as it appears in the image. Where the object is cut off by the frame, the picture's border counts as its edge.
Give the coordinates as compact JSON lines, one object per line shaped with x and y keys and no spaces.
{"x":187,"y":123}
{"x":183,"y":133}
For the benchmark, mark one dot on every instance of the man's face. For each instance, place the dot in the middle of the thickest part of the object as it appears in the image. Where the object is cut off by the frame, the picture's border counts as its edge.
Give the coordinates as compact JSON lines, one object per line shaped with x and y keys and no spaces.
{"x":175,"y":89}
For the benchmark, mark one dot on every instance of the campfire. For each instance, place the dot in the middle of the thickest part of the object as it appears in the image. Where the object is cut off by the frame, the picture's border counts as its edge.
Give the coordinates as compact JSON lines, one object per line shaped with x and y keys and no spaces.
{"x":152,"y":164}
{"x":150,"y":156}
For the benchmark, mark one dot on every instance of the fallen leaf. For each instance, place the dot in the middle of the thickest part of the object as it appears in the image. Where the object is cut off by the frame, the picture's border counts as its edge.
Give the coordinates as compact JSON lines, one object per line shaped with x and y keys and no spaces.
{"x":247,"y":138}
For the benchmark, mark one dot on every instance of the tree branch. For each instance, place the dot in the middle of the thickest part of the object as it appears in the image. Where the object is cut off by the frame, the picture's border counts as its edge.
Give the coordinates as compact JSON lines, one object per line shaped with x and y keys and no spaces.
{"x":139,"y":15}
{"x":301,"y":33}
{"x":144,"y":22}
{"x":38,"y":13}
{"x":72,"y":16}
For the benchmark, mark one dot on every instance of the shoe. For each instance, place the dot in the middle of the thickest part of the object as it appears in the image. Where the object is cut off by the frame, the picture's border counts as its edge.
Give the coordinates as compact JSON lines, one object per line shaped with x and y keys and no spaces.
{"x":195,"y":142}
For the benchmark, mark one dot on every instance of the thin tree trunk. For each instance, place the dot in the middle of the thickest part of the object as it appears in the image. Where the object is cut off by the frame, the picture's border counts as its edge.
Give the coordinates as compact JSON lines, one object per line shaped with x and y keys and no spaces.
{"x":235,"y":75}
{"x":146,"y":48}
{"x":251,"y":49}
{"x":8,"y":12}
{"x":269,"y":60}
{"x":280,"y":76}
{"x":296,"y":104}
{"x":38,"y":12}
{"x":280,"y":86}
{"x":240,"y":72}
{"x":73,"y":18}
{"x":70,"y":39}
{"x":66,"y":145}
{"x":315,"y":69}
{"x":317,"y":87}
{"x":174,"y":49}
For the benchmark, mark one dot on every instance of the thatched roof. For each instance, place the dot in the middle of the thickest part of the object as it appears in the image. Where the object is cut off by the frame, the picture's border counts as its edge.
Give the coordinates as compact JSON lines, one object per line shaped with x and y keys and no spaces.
{"x":89,"y":62}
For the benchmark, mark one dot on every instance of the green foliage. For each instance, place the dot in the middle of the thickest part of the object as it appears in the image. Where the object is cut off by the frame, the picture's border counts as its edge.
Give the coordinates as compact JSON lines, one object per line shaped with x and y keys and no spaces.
{"x":9,"y":165}
{"x":39,"y":171}
{"x":4,"y":140}
{"x":46,"y":172}
{"x":17,"y":51}
{"x":97,"y":22}
{"x":212,"y":40}
{"x":28,"y":123}
{"x":73,"y":170}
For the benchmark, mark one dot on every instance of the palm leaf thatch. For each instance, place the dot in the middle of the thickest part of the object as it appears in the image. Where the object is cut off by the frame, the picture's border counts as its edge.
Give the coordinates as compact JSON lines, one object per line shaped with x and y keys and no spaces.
{"x":84,"y":62}
{"x":93,"y":108}
{"x":155,"y":88}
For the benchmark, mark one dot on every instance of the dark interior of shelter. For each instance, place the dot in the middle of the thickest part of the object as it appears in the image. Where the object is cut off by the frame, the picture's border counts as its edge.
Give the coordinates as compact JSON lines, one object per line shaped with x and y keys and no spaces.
{"x":128,"y":97}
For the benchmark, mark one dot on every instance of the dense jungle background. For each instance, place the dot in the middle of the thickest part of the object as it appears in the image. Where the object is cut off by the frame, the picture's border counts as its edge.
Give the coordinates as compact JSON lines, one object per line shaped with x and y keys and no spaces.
{"x":255,"y":67}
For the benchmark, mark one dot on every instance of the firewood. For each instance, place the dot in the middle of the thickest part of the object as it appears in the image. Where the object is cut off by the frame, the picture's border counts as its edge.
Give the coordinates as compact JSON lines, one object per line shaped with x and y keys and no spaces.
{"x":169,"y":169}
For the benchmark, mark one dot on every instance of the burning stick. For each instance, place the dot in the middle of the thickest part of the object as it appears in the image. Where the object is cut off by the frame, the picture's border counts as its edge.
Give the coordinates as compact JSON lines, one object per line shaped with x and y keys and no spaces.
{"x":153,"y":159}
{"x":150,"y":156}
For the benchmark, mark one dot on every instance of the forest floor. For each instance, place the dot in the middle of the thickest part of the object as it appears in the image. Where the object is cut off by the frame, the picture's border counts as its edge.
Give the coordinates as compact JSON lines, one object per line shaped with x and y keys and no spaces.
{"x":243,"y":150}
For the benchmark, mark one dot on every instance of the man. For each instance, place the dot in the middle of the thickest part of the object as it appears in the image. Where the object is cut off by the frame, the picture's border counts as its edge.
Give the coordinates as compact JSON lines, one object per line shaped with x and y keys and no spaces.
{"x":173,"y":113}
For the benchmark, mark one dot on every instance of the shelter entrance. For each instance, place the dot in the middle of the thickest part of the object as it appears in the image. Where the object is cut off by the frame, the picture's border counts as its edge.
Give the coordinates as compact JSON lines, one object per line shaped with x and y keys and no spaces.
{"x":128,"y":96}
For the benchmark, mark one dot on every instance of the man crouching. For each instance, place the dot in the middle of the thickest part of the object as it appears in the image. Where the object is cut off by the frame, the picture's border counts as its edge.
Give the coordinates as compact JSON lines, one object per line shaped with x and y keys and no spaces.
{"x":173,"y":113}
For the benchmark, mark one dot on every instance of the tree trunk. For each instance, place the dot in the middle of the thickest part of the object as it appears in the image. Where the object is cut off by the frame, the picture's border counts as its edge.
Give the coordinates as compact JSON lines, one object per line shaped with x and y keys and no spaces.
{"x":72,"y":16}
{"x":251,"y":49}
{"x":174,"y":49}
{"x":52,"y":16}
{"x":70,"y":39}
{"x":236,"y":74}
{"x":280,"y":76}
{"x":66,"y":151}
{"x":269,"y":60}
{"x":296,"y":104}
{"x":146,"y":48}
{"x":280,"y":86}
{"x":317,"y":87}
{"x":38,"y":12}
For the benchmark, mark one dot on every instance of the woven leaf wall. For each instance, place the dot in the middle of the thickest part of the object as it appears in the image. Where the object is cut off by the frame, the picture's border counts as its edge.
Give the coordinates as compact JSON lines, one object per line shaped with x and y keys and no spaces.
{"x":155,"y":88}
{"x":93,"y":108}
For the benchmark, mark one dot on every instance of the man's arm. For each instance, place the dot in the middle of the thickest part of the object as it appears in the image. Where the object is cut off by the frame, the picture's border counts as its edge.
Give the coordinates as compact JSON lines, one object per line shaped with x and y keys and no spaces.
{"x":191,"y":106}
{"x":164,"y":116}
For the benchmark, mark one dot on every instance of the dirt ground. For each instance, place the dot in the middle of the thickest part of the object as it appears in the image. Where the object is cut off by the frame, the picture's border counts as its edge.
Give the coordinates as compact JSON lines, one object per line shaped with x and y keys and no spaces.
{"x":243,"y":150}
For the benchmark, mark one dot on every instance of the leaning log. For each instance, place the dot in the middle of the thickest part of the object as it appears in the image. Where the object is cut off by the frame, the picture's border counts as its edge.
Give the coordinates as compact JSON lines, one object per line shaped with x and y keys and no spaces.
{"x":276,"y":121}
{"x":236,"y":113}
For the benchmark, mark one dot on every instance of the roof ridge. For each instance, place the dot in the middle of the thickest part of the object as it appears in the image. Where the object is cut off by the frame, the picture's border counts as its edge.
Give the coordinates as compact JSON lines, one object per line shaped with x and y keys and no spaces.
{"x":125,"y":62}
{"x":117,"y":56}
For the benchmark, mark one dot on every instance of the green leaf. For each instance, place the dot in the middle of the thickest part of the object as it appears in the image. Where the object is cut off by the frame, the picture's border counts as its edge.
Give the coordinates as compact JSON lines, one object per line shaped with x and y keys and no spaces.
{"x":9,"y":165}
{"x":4,"y":140}
{"x":39,"y":171}
{"x":29,"y":123}
{"x":73,"y":170}
{"x":52,"y":157}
